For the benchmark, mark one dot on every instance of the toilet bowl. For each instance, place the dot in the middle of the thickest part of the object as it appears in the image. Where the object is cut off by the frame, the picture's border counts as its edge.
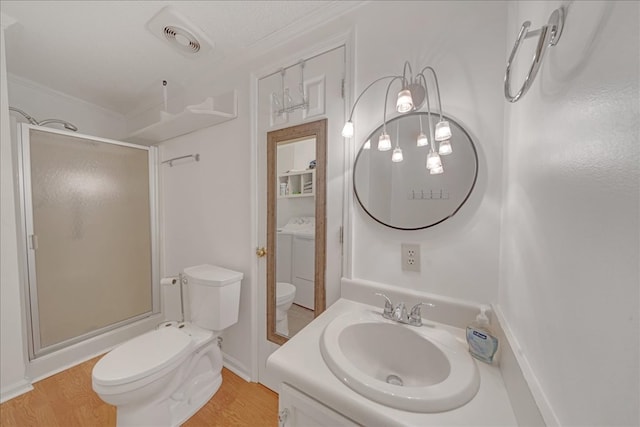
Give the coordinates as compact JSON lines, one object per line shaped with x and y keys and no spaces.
{"x":285,"y":294}
{"x":163,"y":377}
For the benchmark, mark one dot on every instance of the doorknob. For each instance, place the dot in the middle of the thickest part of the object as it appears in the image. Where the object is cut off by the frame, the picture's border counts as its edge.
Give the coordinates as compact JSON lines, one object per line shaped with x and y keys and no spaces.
{"x":261,"y":252}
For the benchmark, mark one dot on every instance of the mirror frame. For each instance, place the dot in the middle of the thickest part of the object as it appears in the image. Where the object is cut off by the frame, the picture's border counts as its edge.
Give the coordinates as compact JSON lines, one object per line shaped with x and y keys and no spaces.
{"x":455,"y":211}
{"x":317,"y":129}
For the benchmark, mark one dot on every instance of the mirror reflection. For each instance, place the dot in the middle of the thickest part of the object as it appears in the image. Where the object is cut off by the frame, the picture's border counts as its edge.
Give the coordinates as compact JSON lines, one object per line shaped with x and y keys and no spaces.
{"x":295,"y":263}
{"x":404,"y":194}
{"x":295,"y":242}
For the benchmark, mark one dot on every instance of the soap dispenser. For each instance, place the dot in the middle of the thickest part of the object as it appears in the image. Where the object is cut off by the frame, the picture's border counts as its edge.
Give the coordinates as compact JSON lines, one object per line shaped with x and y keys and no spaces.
{"x":482,"y":344}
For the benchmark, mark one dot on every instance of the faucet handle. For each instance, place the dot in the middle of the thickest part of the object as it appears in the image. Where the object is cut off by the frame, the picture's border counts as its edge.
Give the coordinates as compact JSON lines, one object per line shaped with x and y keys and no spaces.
{"x":388,"y":306}
{"x":415,"y":318}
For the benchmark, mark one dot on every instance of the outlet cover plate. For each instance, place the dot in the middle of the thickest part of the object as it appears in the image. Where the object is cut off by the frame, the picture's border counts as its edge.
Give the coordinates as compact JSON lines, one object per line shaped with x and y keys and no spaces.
{"x":410,"y":257}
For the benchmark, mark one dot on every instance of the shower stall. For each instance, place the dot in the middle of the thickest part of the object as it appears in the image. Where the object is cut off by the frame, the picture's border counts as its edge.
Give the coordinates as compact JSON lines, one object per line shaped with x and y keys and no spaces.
{"x":89,"y":219}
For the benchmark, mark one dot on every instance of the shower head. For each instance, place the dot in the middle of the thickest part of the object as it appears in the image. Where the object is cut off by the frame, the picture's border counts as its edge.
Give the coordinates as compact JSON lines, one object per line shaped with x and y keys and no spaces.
{"x":66,"y":125}
{"x":33,"y":121}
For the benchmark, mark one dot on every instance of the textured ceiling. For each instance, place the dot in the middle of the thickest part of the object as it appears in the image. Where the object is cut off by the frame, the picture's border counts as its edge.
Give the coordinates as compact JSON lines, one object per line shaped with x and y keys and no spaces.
{"x":101,"y":51}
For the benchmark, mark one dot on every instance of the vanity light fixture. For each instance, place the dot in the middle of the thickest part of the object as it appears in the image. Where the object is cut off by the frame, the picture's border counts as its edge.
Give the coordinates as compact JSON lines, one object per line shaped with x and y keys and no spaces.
{"x":384,"y":142}
{"x":284,"y":103}
{"x":397,"y":152}
{"x":405,"y":101}
{"x":444,"y":148}
{"x":411,"y":97}
{"x":422,"y":138}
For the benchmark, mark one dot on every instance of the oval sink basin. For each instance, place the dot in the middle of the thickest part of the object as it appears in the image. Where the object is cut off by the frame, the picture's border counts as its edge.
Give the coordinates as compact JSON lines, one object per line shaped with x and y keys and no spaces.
{"x":419,"y":369}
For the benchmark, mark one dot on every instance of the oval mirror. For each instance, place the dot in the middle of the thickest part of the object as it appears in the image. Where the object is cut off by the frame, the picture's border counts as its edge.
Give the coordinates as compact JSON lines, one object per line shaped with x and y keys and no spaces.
{"x":404,"y":195}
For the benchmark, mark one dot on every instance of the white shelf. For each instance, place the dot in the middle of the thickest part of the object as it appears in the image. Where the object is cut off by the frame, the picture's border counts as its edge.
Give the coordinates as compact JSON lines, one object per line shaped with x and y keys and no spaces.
{"x":298,"y":184}
{"x":211,"y":112}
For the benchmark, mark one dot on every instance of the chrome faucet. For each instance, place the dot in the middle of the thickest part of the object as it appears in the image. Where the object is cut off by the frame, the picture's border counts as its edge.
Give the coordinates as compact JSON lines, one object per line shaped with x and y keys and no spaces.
{"x":399,"y":313}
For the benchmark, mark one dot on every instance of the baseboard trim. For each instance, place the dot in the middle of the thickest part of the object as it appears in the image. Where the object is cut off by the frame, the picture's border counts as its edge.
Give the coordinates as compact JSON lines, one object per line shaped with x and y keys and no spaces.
{"x":236,"y":367}
{"x":15,"y":390}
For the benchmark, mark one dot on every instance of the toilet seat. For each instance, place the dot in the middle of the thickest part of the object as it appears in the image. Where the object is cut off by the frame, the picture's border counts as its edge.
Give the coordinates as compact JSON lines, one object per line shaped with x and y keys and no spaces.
{"x":284,"y":292}
{"x":142,"y":357}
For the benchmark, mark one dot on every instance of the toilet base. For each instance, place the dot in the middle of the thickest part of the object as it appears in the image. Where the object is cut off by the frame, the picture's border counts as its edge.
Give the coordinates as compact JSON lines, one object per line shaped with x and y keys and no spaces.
{"x":200,"y":380}
{"x":204,"y":389}
{"x":175,"y":410}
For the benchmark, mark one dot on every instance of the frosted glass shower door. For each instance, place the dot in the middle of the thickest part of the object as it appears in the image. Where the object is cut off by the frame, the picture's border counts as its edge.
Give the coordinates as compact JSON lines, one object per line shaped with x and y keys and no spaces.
{"x":89,"y":207}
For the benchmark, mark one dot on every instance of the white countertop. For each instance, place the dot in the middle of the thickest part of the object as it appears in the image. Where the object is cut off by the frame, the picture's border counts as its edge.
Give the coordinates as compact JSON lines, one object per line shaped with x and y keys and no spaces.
{"x":300,"y":364}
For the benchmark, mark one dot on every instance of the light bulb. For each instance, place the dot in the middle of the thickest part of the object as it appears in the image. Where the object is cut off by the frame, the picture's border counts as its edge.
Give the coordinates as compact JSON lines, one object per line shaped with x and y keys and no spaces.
{"x":445,"y":147}
{"x":436,"y":171}
{"x":405,"y":101}
{"x":433,"y":160}
{"x":347,"y":130}
{"x":422,"y":140}
{"x":397,"y":155}
{"x":443,"y":131}
{"x":367,"y":145}
{"x":384,"y":143}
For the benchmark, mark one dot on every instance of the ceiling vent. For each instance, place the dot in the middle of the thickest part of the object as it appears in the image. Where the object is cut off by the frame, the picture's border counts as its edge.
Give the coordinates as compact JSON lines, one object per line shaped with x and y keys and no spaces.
{"x":185,"y":37}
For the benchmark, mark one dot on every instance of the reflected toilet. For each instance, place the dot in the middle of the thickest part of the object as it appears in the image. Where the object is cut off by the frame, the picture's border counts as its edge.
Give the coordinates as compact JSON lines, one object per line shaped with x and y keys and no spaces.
{"x":285,"y":293}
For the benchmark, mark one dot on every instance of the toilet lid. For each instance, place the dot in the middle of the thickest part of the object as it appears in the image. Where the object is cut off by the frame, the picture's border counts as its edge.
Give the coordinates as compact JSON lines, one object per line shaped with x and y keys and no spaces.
{"x":141,"y":356}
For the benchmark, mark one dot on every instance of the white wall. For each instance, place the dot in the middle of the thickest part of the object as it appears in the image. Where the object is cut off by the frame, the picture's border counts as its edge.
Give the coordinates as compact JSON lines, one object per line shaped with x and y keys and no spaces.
{"x":43,"y":103}
{"x":206,"y":205}
{"x":12,"y":346}
{"x":464,"y":42}
{"x":569,"y":279}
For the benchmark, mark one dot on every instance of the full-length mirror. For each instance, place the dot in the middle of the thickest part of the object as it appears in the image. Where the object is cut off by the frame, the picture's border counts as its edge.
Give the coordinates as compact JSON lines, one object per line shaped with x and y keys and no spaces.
{"x":296,"y":169}
{"x":404,"y":194}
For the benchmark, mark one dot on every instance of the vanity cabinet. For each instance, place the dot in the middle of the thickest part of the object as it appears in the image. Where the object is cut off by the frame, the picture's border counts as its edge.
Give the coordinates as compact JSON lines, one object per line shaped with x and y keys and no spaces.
{"x":296,"y":409}
{"x":297,"y":184}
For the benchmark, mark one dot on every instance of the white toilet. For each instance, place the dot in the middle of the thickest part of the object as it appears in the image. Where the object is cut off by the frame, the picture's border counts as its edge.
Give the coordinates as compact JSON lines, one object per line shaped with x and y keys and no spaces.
{"x":285,"y":294}
{"x":163,"y":377}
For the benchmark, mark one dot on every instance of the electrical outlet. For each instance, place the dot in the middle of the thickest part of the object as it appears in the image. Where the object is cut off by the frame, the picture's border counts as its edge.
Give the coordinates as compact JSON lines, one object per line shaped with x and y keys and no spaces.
{"x":410,"y":257}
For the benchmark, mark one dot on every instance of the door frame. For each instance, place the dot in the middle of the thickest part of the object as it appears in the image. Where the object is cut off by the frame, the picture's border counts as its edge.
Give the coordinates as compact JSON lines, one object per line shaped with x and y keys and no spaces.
{"x":346,"y":40}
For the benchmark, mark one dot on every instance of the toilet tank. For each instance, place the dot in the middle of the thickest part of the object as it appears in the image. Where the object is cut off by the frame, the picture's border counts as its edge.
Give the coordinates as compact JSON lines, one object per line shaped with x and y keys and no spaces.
{"x":214,"y":296}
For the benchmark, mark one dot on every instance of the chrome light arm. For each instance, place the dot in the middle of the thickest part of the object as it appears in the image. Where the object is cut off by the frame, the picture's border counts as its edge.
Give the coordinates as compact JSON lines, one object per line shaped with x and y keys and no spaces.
{"x":353,"y":109}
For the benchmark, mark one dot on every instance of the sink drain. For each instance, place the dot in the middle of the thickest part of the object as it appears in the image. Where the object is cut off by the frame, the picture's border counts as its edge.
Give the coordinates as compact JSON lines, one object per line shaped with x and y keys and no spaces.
{"x":395,"y":380}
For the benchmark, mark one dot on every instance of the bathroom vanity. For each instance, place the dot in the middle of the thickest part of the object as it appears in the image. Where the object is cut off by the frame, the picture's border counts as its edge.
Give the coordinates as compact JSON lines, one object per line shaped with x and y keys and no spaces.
{"x":311,"y":394}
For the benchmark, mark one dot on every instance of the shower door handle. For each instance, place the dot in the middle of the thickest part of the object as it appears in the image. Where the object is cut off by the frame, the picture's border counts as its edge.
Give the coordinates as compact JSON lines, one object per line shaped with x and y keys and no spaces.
{"x":33,"y":242}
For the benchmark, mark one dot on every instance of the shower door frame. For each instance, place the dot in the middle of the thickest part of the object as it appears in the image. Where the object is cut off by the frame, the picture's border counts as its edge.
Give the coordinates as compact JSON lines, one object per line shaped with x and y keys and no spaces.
{"x":27,"y":229}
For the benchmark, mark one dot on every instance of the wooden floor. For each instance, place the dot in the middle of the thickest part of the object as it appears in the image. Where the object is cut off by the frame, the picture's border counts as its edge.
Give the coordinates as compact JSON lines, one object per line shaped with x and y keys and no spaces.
{"x":67,"y":399}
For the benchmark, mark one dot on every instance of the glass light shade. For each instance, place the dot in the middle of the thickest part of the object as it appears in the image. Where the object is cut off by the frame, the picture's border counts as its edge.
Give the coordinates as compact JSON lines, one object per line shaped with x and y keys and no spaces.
{"x":445,"y":147}
{"x":433,"y":160}
{"x":443,"y":131}
{"x":384,"y":143}
{"x":397,"y":155}
{"x":422,"y":140}
{"x":405,"y":101}
{"x":347,"y":130}
{"x":436,"y":171}
{"x":367,"y":145}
